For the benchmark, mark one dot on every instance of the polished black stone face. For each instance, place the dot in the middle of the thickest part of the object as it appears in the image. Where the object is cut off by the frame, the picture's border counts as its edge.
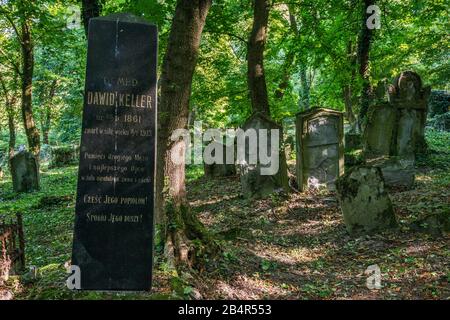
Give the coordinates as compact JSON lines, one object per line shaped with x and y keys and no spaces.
{"x":114,"y":208}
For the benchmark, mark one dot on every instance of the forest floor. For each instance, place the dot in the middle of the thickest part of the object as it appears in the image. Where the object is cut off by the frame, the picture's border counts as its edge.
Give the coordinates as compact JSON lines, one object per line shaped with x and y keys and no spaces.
{"x":282,"y":247}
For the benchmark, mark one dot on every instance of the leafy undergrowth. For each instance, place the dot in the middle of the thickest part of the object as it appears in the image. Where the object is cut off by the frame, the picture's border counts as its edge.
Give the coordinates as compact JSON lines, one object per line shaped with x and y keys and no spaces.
{"x":282,"y":247}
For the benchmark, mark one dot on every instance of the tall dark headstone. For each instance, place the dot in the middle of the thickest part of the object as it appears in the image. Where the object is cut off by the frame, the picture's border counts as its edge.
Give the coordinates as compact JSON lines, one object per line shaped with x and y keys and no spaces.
{"x":113,"y":235}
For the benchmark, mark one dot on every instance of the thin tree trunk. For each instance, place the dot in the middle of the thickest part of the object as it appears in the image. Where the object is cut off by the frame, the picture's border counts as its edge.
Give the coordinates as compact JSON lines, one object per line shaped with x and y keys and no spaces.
{"x":180,"y":224}
{"x":288,"y":62}
{"x":46,"y":115}
{"x":89,"y":9}
{"x":304,"y":91}
{"x":347,"y":91}
{"x":255,"y":58}
{"x":10,"y":101}
{"x":363,"y":60}
{"x":31,"y":130}
{"x":12,"y":130}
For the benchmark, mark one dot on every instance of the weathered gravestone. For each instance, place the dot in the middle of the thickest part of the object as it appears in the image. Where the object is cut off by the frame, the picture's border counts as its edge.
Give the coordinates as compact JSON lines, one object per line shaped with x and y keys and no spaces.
{"x":25,"y":172}
{"x":394,"y":132}
{"x":114,"y":207}
{"x":222,"y":169}
{"x":320,"y":148}
{"x":396,"y":128}
{"x":253,"y":182}
{"x":411,"y":100}
{"x":380,"y":131}
{"x":363,"y":200}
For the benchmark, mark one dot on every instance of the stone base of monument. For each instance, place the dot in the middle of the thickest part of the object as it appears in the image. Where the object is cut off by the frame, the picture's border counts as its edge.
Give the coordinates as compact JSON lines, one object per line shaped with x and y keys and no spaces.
{"x":396,"y":172}
{"x":364,"y":202}
{"x":25,"y":172}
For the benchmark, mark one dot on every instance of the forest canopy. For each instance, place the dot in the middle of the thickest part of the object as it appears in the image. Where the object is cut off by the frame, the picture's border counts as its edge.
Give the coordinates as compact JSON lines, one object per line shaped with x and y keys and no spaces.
{"x":310,"y":57}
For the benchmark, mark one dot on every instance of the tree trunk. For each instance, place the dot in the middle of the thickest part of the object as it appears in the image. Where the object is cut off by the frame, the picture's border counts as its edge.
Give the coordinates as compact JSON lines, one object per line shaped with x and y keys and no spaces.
{"x":304,"y":90}
{"x":304,"y":93}
{"x":363,"y":60}
{"x":289,"y":60}
{"x":31,"y":130}
{"x":180,"y":225}
{"x":347,"y":91}
{"x":12,"y":130}
{"x":348,"y":101}
{"x":255,"y":58}
{"x":10,"y":101}
{"x":46,"y":115}
{"x":89,"y":9}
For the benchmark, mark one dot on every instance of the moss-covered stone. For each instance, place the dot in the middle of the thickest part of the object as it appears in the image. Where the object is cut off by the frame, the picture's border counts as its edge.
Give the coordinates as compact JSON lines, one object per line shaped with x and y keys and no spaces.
{"x":25,"y":172}
{"x":64,"y":155}
{"x":364,"y":202}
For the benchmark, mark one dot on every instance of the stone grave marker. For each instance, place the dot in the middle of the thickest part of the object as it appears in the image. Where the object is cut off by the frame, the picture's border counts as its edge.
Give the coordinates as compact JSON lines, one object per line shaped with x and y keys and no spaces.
{"x":253,"y":182}
{"x":380,"y":130}
{"x":25,"y":172}
{"x":320,"y":148}
{"x":410,"y":98}
{"x":395,"y":130}
{"x":364,"y":202}
{"x":113,"y":238}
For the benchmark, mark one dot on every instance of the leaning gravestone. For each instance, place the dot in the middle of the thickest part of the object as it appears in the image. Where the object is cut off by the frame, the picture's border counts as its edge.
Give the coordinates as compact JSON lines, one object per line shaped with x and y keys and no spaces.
{"x":253,"y":182}
{"x":114,"y":207}
{"x":364,"y":202}
{"x":25,"y":172}
{"x":320,"y":148}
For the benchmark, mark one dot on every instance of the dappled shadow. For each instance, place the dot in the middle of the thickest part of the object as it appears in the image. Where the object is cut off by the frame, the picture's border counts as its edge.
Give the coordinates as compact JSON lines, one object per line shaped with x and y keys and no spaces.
{"x":296,"y":247}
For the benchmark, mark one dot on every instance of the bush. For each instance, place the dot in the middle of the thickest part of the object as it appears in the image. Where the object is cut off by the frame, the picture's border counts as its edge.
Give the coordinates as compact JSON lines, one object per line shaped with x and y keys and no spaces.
{"x":63,"y":155}
{"x":440,"y":122}
{"x":439,"y":103}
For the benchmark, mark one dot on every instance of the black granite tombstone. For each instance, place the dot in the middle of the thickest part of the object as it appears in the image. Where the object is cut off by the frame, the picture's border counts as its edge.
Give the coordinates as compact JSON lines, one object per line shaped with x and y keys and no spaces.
{"x":113,"y":236}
